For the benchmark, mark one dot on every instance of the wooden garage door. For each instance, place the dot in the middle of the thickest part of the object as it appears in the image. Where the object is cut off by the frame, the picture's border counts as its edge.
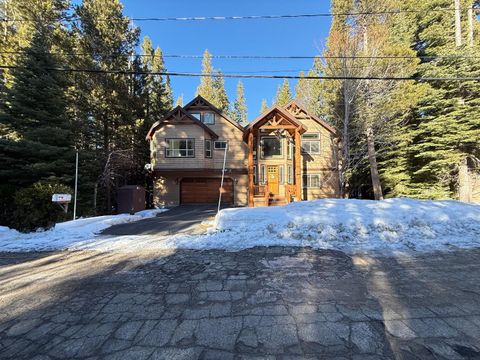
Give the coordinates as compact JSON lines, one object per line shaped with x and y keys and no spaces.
{"x":205,"y":190}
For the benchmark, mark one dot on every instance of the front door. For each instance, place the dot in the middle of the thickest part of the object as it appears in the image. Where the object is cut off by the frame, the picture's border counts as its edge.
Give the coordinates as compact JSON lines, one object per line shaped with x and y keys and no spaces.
{"x":272,"y":179}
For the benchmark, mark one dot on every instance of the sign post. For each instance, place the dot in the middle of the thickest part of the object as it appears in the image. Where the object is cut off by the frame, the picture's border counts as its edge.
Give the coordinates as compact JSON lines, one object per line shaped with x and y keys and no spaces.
{"x":76,"y":186}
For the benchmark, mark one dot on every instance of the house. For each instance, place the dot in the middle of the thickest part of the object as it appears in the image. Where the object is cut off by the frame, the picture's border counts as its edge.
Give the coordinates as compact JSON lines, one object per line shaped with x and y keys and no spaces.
{"x":285,"y":154}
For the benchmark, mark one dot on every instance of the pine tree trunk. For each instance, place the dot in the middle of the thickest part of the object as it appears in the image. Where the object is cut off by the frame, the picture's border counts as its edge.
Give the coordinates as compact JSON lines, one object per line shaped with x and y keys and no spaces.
{"x":458,"y":24}
{"x":372,"y":158}
{"x":470,"y":26}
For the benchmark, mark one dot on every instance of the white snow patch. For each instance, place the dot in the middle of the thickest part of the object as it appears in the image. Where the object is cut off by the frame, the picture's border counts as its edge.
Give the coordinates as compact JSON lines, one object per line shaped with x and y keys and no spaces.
{"x":388,"y":226}
{"x":66,"y":234}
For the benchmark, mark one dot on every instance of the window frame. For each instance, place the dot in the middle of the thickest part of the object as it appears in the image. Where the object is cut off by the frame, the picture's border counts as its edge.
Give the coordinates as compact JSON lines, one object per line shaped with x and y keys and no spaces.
{"x":167,"y":148}
{"x":289,"y":149}
{"x":281,"y":175}
{"x":220,"y":141}
{"x":290,"y":174}
{"x":208,"y":141}
{"x":262,"y":154}
{"x":199,"y":118}
{"x":263,"y":174}
{"x":255,"y":174}
{"x":307,"y":184}
{"x":310,"y":141}
{"x":203,"y":118}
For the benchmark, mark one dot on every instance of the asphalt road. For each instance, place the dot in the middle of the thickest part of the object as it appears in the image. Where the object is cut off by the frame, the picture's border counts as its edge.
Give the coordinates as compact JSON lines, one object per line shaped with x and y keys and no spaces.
{"x":176,"y":220}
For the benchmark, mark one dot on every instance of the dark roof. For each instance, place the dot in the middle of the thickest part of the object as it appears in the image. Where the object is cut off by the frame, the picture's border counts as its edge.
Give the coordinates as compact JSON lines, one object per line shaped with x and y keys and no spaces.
{"x":214,"y":108}
{"x":282,"y":111}
{"x":315,"y":118}
{"x":162,"y":122}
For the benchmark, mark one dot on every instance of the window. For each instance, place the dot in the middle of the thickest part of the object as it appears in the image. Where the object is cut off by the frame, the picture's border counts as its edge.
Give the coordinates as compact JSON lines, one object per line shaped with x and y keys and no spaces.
{"x":254,"y":148}
{"x":178,"y":148}
{"x":311,"y":143}
{"x":280,"y":174}
{"x":271,"y":147}
{"x":254,"y":174}
{"x":208,"y":118}
{"x":263,"y":175}
{"x":290,"y":150}
{"x":208,"y":148}
{"x":197,"y":116}
{"x":290,"y":174}
{"x":311,"y":181}
{"x":219,"y":145}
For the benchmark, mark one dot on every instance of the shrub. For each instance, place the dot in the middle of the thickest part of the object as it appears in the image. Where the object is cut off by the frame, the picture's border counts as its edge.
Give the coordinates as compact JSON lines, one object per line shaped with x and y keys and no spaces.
{"x":34,"y":208}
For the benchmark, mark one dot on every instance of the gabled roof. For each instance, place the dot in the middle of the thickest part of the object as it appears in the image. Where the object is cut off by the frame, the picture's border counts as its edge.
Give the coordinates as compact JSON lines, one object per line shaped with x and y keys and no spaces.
{"x":264,"y":117}
{"x":201,"y":101}
{"x":171,"y":118}
{"x":315,"y":118}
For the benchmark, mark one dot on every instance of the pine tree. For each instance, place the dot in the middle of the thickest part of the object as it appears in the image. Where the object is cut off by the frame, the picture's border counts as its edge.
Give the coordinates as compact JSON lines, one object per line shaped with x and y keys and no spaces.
{"x":240,"y":107}
{"x":308,"y":91}
{"x":220,"y":97}
{"x":39,"y":142}
{"x":263,"y":106}
{"x":179,"y":101}
{"x":284,"y":94}
{"x":206,"y":87}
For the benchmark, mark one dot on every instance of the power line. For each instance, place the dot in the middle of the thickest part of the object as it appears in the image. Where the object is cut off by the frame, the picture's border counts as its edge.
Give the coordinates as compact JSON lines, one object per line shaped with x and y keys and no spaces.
{"x":244,"y":76}
{"x":263,"y":17}
{"x":253,"y":57}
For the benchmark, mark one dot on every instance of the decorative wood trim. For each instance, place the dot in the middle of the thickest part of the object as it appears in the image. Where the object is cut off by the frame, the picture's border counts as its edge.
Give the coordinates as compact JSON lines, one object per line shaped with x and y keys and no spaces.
{"x":250,"y":169}
{"x":298,"y":169}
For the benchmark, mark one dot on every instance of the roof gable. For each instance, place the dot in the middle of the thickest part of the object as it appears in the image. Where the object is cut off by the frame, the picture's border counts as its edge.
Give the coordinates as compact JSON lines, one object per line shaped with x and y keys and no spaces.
{"x":199,"y":101}
{"x":179,"y":116}
{"x":295,"y":108}
{"x":276,"y":116}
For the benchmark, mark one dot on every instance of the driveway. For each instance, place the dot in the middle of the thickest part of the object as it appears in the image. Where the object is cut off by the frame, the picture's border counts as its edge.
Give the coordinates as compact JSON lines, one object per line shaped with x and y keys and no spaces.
{"x":179,"y":219}
{"x":260,"y":303}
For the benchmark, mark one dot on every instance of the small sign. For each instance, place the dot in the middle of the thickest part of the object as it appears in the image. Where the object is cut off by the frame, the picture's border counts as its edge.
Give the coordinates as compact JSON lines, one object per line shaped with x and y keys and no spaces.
{"x":61,"y":198}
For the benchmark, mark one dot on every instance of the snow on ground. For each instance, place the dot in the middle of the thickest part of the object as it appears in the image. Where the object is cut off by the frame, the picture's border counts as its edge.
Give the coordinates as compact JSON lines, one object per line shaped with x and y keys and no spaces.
{"x":67,"y":233}
{"x":389,"y":226}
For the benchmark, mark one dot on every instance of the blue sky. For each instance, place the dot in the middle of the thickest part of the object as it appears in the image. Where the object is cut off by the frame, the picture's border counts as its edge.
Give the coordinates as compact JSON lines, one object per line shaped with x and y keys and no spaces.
{"x":304,"y":37}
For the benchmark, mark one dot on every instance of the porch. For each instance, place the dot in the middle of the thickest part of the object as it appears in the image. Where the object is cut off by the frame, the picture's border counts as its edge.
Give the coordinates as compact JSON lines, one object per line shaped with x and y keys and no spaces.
{"x":267,"y":137}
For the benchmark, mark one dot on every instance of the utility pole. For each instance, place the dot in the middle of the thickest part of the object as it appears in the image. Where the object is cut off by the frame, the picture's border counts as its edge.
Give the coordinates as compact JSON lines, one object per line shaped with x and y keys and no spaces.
{"x":76,"y":187}
{"x":223,"y":176}
{"x":458,"y":24}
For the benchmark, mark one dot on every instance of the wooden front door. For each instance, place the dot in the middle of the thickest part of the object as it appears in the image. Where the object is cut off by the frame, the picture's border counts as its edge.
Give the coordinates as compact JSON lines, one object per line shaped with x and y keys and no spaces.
{"x":272,"y":179}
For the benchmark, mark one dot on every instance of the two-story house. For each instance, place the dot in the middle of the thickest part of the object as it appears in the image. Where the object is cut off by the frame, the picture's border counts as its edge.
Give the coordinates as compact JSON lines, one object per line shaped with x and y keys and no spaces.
{"x":285,"y":154}
{"x":187,"y":150}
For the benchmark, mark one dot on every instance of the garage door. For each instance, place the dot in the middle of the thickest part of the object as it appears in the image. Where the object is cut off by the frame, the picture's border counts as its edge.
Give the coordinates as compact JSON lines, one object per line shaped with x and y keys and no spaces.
{"x":205,"y":190}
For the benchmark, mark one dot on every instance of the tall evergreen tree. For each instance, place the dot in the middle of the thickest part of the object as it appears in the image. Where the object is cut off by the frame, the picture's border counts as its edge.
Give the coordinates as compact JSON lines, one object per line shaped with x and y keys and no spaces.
{"x":284,"y":94}
{"x":38,"y":144}
{"x":263,"y":106}
{"x":220,"y":97}
{"x":179,"y":101}
{"x":206,"y":87}
{"x":240,"y":107}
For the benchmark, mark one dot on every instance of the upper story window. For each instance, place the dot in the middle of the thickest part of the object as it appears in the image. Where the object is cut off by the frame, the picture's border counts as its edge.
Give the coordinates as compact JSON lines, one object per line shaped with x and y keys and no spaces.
{"x":197,"y":116}
{"x":179,"y":148}
{"x":220,"y":145}
{"x":206,"y":117}
{"x":208,"y":148}
{"x":311,"y":143}
{"x":271,"y":147}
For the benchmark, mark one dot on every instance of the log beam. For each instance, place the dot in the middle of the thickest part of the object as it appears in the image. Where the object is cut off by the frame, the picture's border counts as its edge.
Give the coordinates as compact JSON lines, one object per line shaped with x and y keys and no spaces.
{"x":298,"y":170}
{"x":250,"y":169}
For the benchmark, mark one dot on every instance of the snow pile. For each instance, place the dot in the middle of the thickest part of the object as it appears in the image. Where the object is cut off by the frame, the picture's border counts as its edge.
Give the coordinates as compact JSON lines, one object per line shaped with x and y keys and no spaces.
{"x":65,"y":234}
{"x":352,"y":225}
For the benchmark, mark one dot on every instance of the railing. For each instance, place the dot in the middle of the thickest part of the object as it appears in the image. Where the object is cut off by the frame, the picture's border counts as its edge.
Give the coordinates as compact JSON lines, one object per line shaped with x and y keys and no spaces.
{"x":290,"y":192}
{"x":261,"y":191}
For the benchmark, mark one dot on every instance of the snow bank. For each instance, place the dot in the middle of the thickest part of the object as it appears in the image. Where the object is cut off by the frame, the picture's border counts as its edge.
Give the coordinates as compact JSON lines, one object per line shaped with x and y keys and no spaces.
{"x":352,"y":225}
{"x":66,"y":234}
